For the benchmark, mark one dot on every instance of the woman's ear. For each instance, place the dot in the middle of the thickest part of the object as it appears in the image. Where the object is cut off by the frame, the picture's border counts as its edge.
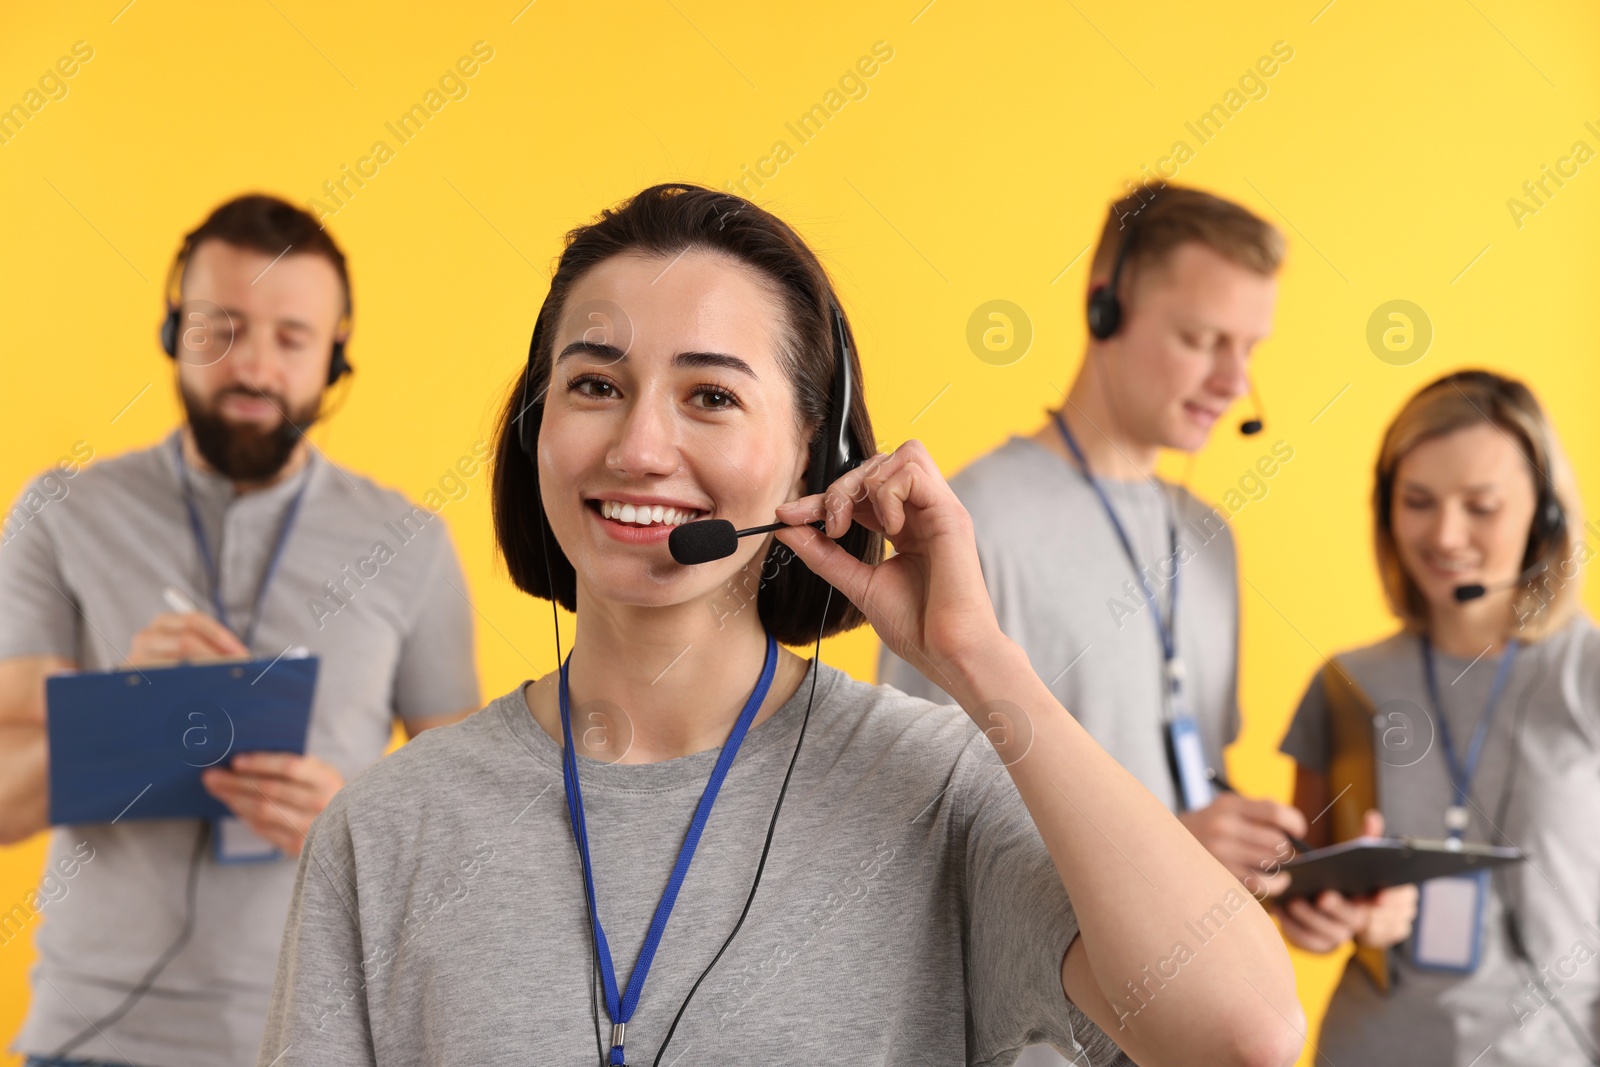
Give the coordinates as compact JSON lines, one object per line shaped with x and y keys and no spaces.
{"x":800,"y":484}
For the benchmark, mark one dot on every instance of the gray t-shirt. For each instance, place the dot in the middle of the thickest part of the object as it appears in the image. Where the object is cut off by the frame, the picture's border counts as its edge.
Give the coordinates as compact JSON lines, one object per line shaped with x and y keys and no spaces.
{"x":909,"y":912}
{"x":1431,"y":1017}
{"x":79,"y":576}
{"x":1063,"y":589}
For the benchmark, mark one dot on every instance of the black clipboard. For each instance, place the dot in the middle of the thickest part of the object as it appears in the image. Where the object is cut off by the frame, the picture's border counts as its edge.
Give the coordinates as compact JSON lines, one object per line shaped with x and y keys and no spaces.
{"x":1364,"y":865}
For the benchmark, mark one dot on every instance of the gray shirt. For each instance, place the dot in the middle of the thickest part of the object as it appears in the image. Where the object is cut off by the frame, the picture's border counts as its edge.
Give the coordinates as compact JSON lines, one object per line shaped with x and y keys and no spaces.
{"x":1064,"y":590}
{"x":85,"y":571}
{"x":1551,"y":809}
{"x":908,"y":914}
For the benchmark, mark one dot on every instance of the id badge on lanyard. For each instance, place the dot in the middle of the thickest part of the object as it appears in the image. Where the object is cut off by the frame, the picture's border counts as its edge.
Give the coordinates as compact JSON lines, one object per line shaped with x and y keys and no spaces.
{"x":1448,"y":932}
{"x":1186,"y":752}
{"x":1448,"y":935}
{"x":233,"y":841}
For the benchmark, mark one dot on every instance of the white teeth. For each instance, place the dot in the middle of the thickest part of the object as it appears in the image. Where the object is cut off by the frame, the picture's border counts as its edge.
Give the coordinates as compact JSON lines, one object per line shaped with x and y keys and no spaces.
{"x":645,"y":514}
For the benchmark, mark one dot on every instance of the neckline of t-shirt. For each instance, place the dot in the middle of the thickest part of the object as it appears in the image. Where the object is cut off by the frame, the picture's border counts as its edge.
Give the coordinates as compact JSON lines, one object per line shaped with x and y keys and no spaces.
{"x":1452,"y":666}
{"x":210,"y":486}
{"x":1129,"y":487}
{"x":775,"y":734}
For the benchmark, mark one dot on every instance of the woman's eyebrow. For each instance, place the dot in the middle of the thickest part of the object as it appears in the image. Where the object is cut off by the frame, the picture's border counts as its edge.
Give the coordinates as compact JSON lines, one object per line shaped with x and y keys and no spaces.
{"x":714,"y":359}
{"x":598,"y":349}
{"x":612,"y":354}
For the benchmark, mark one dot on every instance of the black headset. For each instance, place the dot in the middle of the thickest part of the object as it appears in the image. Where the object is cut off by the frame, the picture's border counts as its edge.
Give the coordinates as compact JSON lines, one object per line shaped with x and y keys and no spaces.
{"x":1549,"y":517}
{"x":172,"y":323}
{"x":1105,"y":309}
{"x":834,"y":450}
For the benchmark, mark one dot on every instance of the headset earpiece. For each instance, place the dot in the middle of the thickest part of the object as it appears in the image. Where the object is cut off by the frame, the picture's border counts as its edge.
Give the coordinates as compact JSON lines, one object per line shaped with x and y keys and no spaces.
{"x":169,"y":332}
{"x":1105,"y":310}
{"x":834,"y":450}
{"x":1549,"y":523}
{"x":527,"y":423}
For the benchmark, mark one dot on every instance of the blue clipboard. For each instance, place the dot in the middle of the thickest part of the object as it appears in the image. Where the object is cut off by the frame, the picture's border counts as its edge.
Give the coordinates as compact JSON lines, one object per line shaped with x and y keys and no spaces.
{"x":130,"y":744}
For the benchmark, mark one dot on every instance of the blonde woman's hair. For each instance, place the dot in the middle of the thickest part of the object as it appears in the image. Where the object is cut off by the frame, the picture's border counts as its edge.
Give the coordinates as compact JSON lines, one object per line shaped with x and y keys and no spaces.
{"x":1542,"y":603}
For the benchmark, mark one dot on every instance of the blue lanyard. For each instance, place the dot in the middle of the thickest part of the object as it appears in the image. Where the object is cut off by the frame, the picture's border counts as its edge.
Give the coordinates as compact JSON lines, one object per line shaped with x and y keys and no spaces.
{"x":1461,"y":773}
{"x":621,"y":1009}
{"x":213,"y":578}
{"x":1166,"y":629}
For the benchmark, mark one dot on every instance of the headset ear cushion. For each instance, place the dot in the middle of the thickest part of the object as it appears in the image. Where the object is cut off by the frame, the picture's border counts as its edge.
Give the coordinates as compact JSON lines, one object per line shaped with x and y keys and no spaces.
{"x":1551,"y":520}
{"x":338,"y":366}
{"x":169,"y":333}
{"x":1105,"y":313}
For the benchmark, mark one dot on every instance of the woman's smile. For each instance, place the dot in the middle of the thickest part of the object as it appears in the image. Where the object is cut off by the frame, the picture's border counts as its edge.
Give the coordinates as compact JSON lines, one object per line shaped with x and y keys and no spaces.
{"x":637,"y":520}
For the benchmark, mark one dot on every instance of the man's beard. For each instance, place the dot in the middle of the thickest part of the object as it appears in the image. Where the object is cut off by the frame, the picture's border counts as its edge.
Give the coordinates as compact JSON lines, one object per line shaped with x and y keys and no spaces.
{"x":246,"y":452}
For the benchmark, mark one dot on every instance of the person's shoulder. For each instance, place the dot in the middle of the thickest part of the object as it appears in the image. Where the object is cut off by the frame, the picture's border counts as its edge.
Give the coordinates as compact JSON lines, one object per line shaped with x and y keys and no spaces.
{"x":1369,"y":664}
{"x":1004,"y":481}
{"x":363,"y":503}
{"x":430,"y":765}
{"x":1202,"y":516}
{"x":128,"y":472}
{"x":1576,"y":642}
{"x":360,"y":492}
{"x":880,"y":717}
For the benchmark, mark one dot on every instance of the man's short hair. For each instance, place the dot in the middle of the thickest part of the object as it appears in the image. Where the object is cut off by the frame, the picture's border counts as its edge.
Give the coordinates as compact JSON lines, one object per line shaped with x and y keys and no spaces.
{"x":1164,"y":217}
{"x":268,"y":225}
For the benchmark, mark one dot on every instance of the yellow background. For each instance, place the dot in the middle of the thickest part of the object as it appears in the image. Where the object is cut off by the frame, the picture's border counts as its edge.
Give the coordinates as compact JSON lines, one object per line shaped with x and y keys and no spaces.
{"x":975,"y":168}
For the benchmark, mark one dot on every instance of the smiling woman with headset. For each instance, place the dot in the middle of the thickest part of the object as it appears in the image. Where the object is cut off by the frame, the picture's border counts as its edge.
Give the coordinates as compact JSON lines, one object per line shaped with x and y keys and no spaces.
{"x":1479,"y":722}
{"x":688,"y":844}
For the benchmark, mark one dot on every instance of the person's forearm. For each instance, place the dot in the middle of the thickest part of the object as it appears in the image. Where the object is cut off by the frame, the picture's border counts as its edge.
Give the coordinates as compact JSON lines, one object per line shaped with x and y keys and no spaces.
{"x":24,"y":790}
{"x":1170,"y":935}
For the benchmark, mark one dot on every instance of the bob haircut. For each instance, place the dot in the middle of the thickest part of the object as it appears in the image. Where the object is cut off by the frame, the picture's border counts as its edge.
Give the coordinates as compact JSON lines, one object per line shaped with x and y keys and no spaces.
{"x":665,"y":221}
{"x":1545,"y":600}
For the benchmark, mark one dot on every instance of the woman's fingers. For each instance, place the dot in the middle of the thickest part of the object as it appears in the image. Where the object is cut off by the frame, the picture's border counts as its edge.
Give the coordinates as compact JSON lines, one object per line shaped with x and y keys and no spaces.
{"x":1323,"y":929}
{"x":875,"y":494}
{"x":1306,"y":936}
{"x":828,"y":561}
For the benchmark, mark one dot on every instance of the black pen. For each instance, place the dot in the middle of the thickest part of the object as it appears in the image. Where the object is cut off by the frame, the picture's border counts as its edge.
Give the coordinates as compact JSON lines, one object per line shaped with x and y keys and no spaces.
{"x":1222,"y":784}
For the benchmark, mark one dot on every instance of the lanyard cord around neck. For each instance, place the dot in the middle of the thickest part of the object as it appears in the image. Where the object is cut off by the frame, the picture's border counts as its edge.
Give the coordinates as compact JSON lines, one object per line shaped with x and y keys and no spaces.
{"x":1462,"y":769}
{"x":620,"y":1006}
{"x":213,"y":574}
{"x":1166,"y":629}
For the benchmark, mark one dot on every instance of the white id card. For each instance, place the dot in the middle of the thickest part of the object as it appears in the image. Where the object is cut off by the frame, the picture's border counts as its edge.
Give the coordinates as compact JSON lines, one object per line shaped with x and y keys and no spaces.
{"x":236,"y":842}
{"x":1449,"y":928}
{"x":1187,"y":755}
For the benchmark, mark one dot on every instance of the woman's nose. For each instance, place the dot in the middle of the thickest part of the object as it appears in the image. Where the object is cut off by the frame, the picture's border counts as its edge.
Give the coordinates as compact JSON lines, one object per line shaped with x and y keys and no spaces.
{"x":647,"y":442}
{"x":1450,"y":529}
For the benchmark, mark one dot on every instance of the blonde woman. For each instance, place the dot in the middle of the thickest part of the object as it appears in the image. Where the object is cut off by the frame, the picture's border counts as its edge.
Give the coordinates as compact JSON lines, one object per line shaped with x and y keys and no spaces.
{"x":1479,"y":720}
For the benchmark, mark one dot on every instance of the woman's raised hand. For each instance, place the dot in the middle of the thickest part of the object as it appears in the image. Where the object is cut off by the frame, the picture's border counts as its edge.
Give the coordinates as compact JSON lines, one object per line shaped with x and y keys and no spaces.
{"x":927,"y":601}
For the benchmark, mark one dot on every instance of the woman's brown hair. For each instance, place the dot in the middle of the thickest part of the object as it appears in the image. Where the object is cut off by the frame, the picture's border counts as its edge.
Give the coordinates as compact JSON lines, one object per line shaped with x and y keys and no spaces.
{"x":1545,"y":599}
{"x":665,"y":221}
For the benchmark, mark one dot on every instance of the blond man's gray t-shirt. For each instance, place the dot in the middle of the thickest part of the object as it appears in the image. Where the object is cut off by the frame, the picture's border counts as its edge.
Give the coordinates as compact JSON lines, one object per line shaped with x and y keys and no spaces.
{"x":1063,"y":589}
{"x":909,"y":913}
{"x":82,"y":568}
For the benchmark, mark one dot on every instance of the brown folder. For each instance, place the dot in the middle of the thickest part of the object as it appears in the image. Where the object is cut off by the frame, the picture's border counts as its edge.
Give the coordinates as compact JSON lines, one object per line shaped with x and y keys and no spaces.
{"x":1353,"y":780}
